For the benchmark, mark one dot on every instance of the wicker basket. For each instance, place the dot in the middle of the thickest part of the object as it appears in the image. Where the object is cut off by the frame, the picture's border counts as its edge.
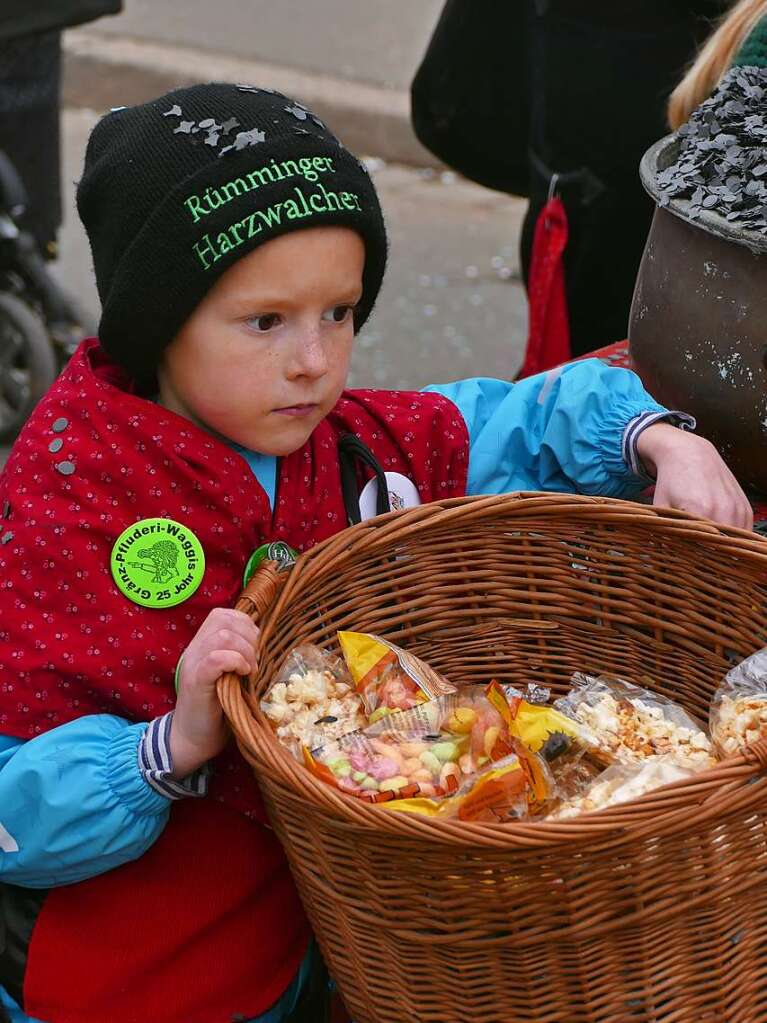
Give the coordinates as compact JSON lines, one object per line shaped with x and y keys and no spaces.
{"x":652,"y":911}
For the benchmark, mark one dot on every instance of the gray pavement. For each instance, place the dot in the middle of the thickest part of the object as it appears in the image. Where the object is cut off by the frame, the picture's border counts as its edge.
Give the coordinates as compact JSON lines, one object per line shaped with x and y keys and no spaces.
{"x":103,"y":70}
{"x":376,"y":42}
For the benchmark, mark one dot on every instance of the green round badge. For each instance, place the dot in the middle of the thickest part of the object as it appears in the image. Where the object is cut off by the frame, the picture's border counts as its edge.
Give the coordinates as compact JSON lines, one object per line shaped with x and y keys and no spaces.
{"x":157,"y":562}
{"x":277,"y":551}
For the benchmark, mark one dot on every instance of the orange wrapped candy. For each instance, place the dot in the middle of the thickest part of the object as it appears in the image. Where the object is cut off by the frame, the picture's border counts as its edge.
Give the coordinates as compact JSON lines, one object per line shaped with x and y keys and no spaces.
{"x":387,"y":677}
{"x":518,"y":786}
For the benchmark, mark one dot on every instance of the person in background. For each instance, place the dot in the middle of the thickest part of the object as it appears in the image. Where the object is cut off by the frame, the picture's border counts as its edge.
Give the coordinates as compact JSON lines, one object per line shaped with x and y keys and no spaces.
{"x":558,"y":100}
{"x":741,"y":38}
{"x":30,"y":87}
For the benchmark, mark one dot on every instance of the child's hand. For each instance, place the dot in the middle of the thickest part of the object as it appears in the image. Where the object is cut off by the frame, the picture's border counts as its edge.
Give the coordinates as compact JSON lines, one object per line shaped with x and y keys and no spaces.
{"x":226,"y":641}
{"x":691,"y":476}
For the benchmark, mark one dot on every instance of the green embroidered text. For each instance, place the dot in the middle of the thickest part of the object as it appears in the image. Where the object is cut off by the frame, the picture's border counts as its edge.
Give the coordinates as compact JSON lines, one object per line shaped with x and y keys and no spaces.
{"x":211,"y":248}
{"x":307,"y":167}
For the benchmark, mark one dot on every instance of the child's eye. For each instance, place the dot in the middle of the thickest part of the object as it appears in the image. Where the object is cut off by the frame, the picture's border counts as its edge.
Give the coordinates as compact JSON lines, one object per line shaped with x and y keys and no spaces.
{"x":264,"y":322}
{"x":338,"y":314}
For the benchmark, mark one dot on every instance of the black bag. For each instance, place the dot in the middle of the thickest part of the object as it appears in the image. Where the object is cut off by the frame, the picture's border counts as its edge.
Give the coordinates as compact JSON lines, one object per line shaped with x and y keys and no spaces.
{"x":470,"y":96}
{"x":29,"y":127}
{"x":23,"y":17}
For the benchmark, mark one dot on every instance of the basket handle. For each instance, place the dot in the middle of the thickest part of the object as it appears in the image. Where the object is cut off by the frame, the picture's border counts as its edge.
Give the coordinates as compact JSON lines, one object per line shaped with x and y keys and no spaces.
{"x":261,"y":592}
{"x":255,"y":600}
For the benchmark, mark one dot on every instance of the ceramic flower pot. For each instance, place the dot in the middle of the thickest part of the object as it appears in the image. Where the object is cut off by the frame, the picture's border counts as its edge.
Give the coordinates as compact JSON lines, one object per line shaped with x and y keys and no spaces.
{"x":698,"y":325}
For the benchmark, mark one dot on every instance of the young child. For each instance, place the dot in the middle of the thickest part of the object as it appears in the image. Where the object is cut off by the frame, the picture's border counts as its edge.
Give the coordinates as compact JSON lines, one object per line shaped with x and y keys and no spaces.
{"x":237,"y":248}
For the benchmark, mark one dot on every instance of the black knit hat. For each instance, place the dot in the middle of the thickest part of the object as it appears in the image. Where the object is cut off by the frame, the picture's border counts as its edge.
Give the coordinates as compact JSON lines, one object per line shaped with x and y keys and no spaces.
{"x":177,"y":190}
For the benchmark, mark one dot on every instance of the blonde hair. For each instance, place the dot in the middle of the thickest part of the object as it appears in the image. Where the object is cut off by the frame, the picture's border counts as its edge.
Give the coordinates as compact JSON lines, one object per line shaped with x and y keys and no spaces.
{"x":714,"y":60}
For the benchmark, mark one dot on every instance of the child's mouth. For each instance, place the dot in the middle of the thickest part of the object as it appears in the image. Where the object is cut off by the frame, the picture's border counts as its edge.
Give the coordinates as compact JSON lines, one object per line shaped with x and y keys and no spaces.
{"x":297,"y":410}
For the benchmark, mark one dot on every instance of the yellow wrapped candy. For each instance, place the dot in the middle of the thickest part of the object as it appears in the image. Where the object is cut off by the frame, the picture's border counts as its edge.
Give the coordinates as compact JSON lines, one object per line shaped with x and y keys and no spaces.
{"x":387,"y":677}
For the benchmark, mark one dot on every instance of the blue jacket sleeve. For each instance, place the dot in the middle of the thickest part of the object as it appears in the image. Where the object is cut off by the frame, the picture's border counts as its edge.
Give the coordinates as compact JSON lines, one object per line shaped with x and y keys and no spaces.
{"x":562,"y":430}
{"x":74,"y":803}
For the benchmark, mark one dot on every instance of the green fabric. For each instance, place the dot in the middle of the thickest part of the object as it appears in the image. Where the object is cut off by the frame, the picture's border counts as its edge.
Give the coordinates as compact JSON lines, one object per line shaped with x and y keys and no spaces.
{"x":753,"y":52}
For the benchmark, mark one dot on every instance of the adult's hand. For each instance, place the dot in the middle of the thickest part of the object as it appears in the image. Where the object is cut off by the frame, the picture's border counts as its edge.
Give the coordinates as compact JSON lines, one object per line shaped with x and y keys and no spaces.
{"x":692,"y":476}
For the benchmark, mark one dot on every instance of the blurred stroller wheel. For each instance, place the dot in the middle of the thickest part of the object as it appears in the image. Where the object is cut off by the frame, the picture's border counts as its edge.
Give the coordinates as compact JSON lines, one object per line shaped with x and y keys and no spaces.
{"x":27,"y":364}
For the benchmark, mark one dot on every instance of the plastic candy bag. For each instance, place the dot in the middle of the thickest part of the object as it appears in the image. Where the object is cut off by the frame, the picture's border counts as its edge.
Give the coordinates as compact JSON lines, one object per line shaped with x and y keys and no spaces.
{"x":738,"y":713}
{"x":543,"y":729}
{"x":428,"y":750}
{"x":565,"y":745}
{"x":313,"y":700}
{"x":573,"y":775}
{"x":532,"y":693}
{"x":516,"y":787}
{"x":622,"y":783}
{"x":630,"y":723}
{"x":387,"y":677}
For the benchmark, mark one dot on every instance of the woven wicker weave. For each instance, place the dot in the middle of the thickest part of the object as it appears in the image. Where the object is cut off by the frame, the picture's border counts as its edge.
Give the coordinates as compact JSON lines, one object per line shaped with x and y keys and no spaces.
{"x":651,"y":911}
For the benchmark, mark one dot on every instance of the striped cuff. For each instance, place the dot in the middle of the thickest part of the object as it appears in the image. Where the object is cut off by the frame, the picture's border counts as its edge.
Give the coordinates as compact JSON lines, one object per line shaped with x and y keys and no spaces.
{"x":634,"y":430}
{"x":156,"y":764}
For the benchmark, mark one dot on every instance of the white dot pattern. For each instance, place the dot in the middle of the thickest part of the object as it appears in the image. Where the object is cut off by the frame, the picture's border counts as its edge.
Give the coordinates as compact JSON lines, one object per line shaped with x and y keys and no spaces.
{"x":70,"y":642}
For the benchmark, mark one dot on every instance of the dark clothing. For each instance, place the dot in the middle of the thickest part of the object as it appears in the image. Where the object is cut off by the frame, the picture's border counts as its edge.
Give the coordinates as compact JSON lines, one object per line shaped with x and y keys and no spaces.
{"x":470,"y":101}
{"x":30,"y":85}
{"x":600,"y":76}
{"x":25,"y":17}
{"x":30,"y":73}
{"x":595,"y":76}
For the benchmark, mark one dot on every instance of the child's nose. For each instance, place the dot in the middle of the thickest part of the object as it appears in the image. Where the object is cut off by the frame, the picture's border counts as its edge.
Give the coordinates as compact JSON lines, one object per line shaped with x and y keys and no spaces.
{"x":310,"y":357}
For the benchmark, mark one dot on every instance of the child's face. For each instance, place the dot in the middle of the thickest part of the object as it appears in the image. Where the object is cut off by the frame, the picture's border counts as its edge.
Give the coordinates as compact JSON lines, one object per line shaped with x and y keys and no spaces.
{"x":265,"y":355}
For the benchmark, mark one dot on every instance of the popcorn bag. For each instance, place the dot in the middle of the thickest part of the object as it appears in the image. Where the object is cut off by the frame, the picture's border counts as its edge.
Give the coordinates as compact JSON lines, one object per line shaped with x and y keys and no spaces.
{"x":630,"y":723}
{"x":738,"y":714}
{"x":623,"y":782}
{"x":312,"y":700}
{"x":387,"y":677}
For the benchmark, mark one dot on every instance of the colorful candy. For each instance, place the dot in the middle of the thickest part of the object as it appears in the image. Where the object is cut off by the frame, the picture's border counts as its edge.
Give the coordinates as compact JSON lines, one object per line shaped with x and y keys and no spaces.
{"x":520,"y":785}
{"x":427,"y":750}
